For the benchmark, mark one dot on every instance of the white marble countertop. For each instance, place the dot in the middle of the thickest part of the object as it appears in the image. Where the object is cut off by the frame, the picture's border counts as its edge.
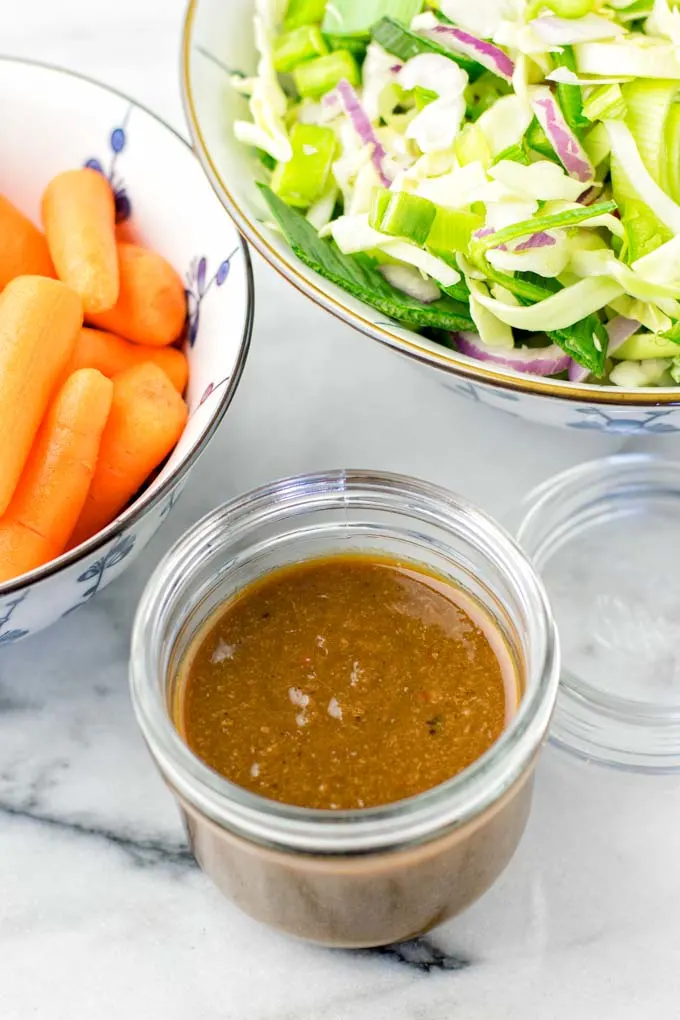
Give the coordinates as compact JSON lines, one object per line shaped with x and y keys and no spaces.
{"x":103,"y":915}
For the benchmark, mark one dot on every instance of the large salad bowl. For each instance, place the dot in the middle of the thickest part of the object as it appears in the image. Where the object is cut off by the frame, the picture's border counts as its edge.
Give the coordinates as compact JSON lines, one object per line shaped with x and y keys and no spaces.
{"x":218,"y":42}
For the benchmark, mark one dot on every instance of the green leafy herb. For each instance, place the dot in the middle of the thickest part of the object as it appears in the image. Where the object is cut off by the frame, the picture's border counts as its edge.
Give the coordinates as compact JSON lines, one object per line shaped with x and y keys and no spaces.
{"x":359,"y":275}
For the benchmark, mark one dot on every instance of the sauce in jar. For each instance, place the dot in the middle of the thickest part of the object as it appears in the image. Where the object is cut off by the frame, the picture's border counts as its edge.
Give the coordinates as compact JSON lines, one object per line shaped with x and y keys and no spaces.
{"x":344,"y":683}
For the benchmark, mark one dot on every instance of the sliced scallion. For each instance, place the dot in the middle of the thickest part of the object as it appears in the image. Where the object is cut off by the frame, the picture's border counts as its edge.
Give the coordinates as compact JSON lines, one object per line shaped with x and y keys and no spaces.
{"x":402,"y":215}
{"x":605,"y":102}
{"x":452,"y":230}
{"x":303,"y":178}
{"x":304,"y":12}
{"x":293,"y":48}
{"x":316,"y":77}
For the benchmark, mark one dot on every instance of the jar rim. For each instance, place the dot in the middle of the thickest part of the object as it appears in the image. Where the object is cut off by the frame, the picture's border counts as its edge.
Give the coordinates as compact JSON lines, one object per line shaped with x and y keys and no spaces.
{"x":313,"y":830}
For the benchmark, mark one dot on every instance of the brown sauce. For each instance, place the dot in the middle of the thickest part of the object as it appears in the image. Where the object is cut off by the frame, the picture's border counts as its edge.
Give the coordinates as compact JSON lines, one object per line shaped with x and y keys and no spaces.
{"x":345,"y":682}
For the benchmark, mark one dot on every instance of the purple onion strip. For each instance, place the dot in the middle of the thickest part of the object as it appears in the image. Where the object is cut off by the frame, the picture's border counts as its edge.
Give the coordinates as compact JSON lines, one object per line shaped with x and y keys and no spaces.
{"x":564,"y":141}
{"x":485,"y":53}
{"x":362,"y":125}
{"x":538,"y":240}
{"x":534,"y":361}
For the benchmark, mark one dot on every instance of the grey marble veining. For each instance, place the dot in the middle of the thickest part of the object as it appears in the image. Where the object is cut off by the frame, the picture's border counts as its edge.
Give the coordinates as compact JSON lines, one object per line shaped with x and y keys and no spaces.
{"x":103,"y":915}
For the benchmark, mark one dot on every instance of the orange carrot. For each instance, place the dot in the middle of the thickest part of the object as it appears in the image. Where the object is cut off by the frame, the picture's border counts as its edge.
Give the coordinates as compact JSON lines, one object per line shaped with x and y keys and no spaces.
{"x":146,"y":420}
{"x":151,"y":306}
{"x":54,"y":484}
{"x":111,"y":354}
{"x":79,"y":217}
{"x":39,"y":322}
{"x":23,"y":249}
{"x":127,"y":231}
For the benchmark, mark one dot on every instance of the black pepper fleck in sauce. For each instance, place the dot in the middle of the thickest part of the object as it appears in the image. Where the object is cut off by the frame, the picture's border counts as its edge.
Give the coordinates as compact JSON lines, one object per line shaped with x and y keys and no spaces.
{"x":345,"y":682}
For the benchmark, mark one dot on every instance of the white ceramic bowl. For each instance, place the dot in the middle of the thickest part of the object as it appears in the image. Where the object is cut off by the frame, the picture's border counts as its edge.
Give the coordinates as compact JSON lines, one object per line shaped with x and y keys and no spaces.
{"x":52,"y":120}
{"x":218,"y":37}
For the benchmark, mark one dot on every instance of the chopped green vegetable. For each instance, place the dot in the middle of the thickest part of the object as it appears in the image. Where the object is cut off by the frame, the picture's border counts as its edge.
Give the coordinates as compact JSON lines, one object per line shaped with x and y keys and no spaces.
{"x":483,"y":92}
{"x":391,"y":98}
{"x":577,"y":340}
{"x":471,"y":146}
{"x":380,"y":199}
{"x":646,"y":345}
{"x":465,"y":153}
{"x":674,"y":333}
{"x":265,"y":159}
{"x":517,"y":153}
{"x":423,"y":97}
{"x":569,"y":218}
{"x":293,"y":48}
{"x":605,"y":102}
{"x":357,"y":17}
{"x":537,"y":140}
{"x":401,"y":215}
{"x":302,"y":179}
{"x":356,"y":46}
{"x":358,"y":274}
{"x":402,"y":43}
{"x":303,"y":12}
{"x":562,"y":8}
{"x":452,"y":230}
{"x":316,"y":77}
{"x":670,"y":167}
{"x":586,"y":342}
{"x":569,"y":96}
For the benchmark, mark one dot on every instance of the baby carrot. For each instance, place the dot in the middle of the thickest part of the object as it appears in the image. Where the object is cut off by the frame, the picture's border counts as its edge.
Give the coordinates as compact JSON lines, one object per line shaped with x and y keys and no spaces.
{"x":151,"y":306}
{"x":79,"y":217}
{"x":39,"y":322}
{"x":23,"y":249}
{"x":111,"y":354}
{"x":54,"y":484}
{"x":146,"y":420}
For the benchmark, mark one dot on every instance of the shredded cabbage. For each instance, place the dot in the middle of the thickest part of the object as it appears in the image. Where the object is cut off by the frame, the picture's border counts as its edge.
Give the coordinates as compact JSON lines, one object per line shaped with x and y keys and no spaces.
{"x":541,"y":140}
{"x":268,"y":103}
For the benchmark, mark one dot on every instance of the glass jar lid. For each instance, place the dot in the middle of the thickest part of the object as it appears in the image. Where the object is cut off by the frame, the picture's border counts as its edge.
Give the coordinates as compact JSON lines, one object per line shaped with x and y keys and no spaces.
{"x":605,"y":536}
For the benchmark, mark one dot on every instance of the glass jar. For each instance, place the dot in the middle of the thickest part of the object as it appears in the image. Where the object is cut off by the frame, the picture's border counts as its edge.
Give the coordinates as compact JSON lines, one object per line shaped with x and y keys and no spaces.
{"x":602,"y":536}
{"x":378,"y":875}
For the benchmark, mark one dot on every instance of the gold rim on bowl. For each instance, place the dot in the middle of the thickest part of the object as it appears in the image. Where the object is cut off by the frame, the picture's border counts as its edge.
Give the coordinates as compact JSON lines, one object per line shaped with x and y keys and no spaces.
{"x":450,"y":362}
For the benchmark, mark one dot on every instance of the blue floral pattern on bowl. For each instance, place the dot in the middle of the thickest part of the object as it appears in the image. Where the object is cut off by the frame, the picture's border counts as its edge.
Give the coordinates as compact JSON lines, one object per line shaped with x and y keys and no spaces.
{"x":197,"y":288}
{"x":95,"y":571}
{"x":7,"y":610}
{"x":614,"y":419}
{"x":647,"y":423}
{"x":117,"y":142}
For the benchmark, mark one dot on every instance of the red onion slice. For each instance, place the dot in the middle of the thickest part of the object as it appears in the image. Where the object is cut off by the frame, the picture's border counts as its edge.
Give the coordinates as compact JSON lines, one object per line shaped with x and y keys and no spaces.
{"x":534,"y":361}
{"x":345,"y":94}
{"x":618,"y":330}
{"x":489,"y":56}
{"x":540,"y":239}
{"x":571,"y":153}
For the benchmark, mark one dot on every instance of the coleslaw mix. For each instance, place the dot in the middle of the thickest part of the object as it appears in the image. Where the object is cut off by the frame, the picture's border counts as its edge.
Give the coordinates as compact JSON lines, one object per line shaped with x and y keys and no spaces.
{"x":503,"y":175}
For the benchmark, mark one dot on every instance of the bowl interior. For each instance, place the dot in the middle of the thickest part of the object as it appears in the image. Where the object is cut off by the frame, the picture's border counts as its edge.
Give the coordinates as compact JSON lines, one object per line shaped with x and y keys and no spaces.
{"x":218,"y":39}
{"x":52,"y":120}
